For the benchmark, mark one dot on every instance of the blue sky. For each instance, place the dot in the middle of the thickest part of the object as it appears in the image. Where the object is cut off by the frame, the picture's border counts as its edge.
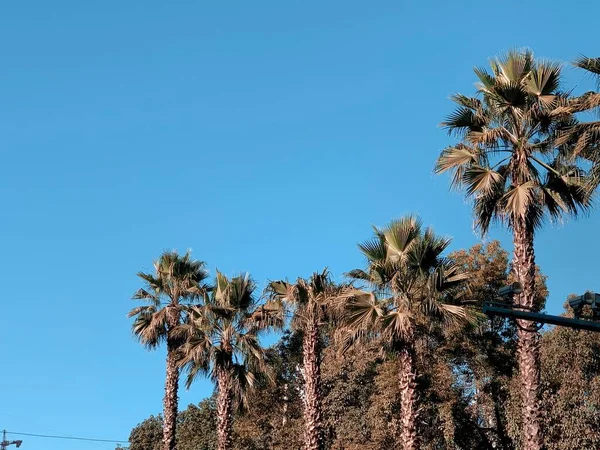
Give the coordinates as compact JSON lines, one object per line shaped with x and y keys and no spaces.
{"x":266,"y":136}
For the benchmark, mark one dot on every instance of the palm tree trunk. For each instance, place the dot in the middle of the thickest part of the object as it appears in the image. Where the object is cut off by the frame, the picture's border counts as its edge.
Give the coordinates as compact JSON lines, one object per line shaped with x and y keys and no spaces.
{"x":311,"y":350}
{"x":171,"y":382}
{"x":529,"y":345}
{"x":408,"y":399}
{"x":224,"y":410}
{"x":170,"y":400}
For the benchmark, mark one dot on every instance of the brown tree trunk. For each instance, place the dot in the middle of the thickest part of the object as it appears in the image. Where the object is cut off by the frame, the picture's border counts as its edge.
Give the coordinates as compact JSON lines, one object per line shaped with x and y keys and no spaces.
{"x":311,"y":351}
{"x":171,"y":385}
{"x":224,"y":410}
{"x":408,"y":399}
{"x":170,"y":401}
{"x":529,"y":345}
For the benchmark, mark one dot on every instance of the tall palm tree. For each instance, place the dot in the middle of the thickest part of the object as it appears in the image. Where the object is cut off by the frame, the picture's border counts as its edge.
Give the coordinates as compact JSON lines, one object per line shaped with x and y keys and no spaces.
{"x":508,"y":160}
{"x":414,"y":289}
{"x":310,"y":303}
{"x":222,"y":342}
{"x":177,"y":281}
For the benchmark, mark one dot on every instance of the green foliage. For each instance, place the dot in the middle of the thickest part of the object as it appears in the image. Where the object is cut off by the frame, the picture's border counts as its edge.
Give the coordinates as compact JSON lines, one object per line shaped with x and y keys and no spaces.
{"x":195,"y":429}
{"x":147,"y":435}
{"x":467,"y":386}
{"x":571,"y":388}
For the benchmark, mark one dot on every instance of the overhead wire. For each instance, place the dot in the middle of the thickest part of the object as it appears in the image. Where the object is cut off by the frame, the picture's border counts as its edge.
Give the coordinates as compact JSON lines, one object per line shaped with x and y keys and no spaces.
{"x":74,"y":438}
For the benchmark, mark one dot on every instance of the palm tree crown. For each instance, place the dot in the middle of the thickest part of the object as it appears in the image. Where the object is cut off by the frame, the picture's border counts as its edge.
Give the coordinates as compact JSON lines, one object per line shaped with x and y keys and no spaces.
{"x":309,"y":300}
{"x":223,"y":333}
{"x":508,"y":158}
{"x":178,"y":280}
{"x":412,"y":283}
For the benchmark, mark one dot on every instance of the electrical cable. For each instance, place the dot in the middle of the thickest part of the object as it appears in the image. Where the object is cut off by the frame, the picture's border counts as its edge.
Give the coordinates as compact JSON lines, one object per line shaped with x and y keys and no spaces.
{"x":74,"y":438}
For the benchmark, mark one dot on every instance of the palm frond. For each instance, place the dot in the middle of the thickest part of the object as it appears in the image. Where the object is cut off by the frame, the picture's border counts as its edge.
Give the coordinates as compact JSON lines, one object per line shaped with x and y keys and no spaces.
{"x":518,"y":199}
{"x":463,"y":120}
{"x":249,"y":346}
{"x":459,"y":314}
{"x":472,"y":103}
{"x":397,"y":326}
{"x":486,"y":80}
{"x":359,"y":274}
{"x":400,"y":236}
{"x":515,"y":66}
{"x":374,"y":249}
{"x":487,"y":208}
{"x":492,"y":138}
{"x":592,"y":65}
{"x":360,"y":309}
{"x":267,"y":316}
{"x":143,"y":294}
{"x":453,"y":157}
{"x":544,"y":79}
{"x":481,"y":180}
{"x":150,"y":326}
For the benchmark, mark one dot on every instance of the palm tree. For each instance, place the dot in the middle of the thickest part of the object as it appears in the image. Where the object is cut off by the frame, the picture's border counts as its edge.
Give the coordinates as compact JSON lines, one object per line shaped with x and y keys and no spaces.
{"x":222,"y":342}
{"x":309,"y":301}
{"x":585,"y":137}
{"x":510,"y":163}
{"x":177,"y":281}
{"x":414,"y":289}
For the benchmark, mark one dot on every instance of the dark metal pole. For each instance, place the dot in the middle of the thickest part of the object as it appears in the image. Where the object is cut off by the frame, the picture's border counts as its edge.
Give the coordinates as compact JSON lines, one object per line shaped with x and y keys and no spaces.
{"x":579,"y":324}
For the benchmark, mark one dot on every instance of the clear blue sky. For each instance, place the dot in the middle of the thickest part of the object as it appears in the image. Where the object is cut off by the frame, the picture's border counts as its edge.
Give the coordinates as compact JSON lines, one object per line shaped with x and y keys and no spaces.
{"x":266,"y":136}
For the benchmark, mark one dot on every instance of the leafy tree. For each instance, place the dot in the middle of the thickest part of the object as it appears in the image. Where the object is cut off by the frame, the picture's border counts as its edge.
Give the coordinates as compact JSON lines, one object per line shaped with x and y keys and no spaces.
{"x":178,"y":280}
{"x":147,"y":435}
{"x":414,"y":288}
{"x":348,"y":387}
{"x":196,"y":426}
{"x":510,"y":163}
{"x":273,"y":419}
{"x":222,"y":342}
{"x":309,"y":301}
{"x":571,"y":388}
{"x":195,"y":429}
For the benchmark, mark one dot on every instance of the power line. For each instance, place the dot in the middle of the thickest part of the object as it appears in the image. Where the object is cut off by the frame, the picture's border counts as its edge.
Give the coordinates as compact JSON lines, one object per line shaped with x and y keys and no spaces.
{"x":115,"y":441}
